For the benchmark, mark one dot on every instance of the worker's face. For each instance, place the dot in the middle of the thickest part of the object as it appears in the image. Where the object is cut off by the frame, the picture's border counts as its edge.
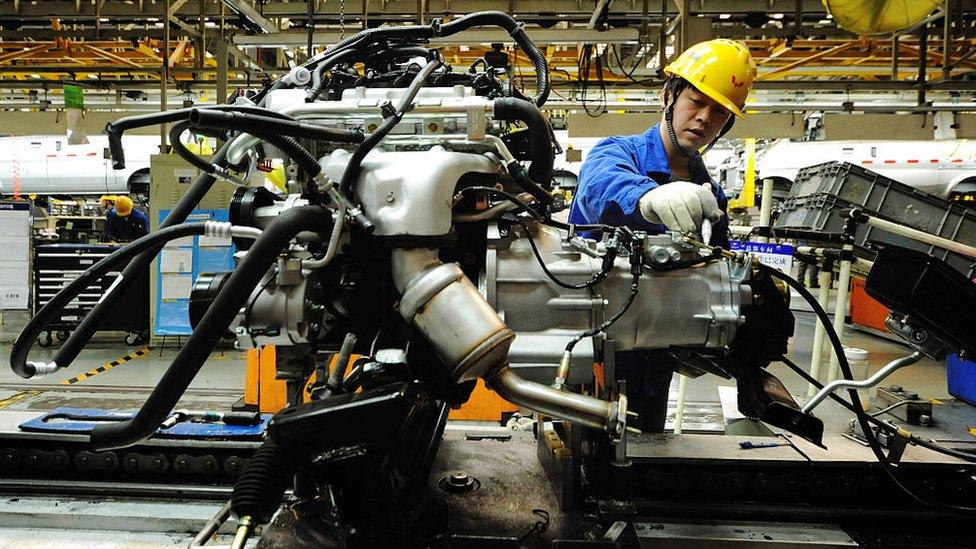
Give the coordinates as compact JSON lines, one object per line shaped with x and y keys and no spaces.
{"x":697,"y":119}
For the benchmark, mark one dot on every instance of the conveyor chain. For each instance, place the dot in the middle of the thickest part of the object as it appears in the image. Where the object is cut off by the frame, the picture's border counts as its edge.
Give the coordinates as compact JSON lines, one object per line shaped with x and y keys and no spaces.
{"x":172,"y":463}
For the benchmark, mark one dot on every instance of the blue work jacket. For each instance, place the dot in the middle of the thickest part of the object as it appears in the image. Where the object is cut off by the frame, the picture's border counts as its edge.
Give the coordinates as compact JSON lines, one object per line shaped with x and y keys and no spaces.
{"x":619,"y":170}
{"x":130,"y":227}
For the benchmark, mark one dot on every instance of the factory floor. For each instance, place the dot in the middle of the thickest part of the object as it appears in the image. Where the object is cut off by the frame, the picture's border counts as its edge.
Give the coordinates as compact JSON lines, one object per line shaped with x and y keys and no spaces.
{"x":220,"y":383}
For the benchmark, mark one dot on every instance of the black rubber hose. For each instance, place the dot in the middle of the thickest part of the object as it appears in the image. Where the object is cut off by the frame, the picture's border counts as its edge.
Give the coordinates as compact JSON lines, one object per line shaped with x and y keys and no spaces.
{"x":251,"y":123}
{"x":411,"y":32}
{"x":52,"y":309}
{"x":288,"y":145}
{"x":82,"y":334}
{"x":510,"y":108}
{"x":175,"y":132}
{"x":114,"y":130}
{"x":480,"y":19}
{"x":435,"y":29}
{"x":520,"y":176}
{"x":293,"y":149}
{"x":260,"y":488}
{"x":517,"y":32}
{"x":242,"y":281}
{"x":358,"y":41}
{"x":353,"y":167}
{"x":318,"y":75}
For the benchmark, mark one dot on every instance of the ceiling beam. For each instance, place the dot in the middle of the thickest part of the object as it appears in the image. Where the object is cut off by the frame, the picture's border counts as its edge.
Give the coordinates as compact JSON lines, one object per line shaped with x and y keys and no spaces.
{"x":24,"y":53}
{"x":552,"y":9}
{"x":480,"y":36}
{"x":809,"y":59}
{"x":178,"y":52}
{"x":108,"y":55}
{"x":246,"y":59}
{"x":245,"y":10}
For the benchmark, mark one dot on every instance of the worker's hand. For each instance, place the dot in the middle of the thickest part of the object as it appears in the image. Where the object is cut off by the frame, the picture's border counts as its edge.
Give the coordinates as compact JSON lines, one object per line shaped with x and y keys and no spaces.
{"x":680,"y":206}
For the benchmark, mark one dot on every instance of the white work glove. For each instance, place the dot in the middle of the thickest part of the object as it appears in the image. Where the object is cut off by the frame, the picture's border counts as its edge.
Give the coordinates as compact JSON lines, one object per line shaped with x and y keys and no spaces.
{"x":680,"y":206}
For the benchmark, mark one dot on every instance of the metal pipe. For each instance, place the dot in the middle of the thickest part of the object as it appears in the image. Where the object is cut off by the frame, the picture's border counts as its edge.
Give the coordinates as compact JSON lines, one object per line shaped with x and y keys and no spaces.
{"x":582,"y":409}
{"x":894,"y":57}
{"x":562,"y":372}
{"x":472,"y":341}
{"x":340,"y":219}
{"x":946,"y":39}
{"x":884,"y":372}
{"x":766,"y":206}
{"x":923,"y":58}
{"x":342,"y":361}
{"x":164,"y":78}
{"x":921,"y":236}
{"x":491,"y":212}
{"x":211,"y":527}
{"x":816,"y":358}
{"x":843,"y":292}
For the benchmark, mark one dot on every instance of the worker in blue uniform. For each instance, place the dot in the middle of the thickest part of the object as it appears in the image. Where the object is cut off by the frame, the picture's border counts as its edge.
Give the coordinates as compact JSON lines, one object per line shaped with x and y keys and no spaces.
{"x":657,"y":181}
{"x":124,"y":222}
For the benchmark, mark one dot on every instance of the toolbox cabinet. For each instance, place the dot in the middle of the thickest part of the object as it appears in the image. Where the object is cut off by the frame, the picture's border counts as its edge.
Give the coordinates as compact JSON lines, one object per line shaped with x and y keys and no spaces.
{"x":56,"y":265}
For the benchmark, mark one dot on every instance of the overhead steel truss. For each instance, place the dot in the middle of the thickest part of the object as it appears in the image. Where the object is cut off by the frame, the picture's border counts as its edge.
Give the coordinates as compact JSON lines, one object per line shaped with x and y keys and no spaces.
{"x":122,"y":43}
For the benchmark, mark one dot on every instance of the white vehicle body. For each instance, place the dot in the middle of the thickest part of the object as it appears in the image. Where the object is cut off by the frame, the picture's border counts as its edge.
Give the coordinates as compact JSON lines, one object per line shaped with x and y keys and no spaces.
{"x":942,"y":168}
{"x":47,"y":165}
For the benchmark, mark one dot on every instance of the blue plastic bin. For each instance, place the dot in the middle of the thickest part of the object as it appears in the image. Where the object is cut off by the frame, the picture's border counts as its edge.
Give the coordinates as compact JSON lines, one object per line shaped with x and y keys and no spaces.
{"x":961,"y":375}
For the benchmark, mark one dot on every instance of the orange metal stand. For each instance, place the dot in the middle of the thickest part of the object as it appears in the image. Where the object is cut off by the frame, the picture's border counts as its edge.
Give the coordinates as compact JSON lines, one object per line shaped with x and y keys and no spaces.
{"x":484,"y":404}
{"x":865,"y":311}
{"x":261,"y":389}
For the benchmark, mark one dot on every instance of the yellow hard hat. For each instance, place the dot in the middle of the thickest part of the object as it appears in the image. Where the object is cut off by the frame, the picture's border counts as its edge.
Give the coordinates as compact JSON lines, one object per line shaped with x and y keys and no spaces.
{"x":123,"y":206}
{"x":721,"y":69}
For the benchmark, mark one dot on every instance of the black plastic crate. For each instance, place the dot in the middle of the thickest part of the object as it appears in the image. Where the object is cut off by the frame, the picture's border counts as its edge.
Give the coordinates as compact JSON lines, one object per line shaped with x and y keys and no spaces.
{"x":824,"y":213}
{"x":890,"y":199}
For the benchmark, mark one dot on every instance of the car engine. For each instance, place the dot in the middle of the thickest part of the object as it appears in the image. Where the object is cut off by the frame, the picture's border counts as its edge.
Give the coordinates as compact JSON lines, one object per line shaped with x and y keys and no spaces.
{"x":419,"y":249}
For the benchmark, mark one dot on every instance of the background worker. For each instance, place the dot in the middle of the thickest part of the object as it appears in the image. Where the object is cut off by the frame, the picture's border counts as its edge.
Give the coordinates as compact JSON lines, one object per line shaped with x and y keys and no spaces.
{"x":657,"y":181}
{"x":126,"y":223}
